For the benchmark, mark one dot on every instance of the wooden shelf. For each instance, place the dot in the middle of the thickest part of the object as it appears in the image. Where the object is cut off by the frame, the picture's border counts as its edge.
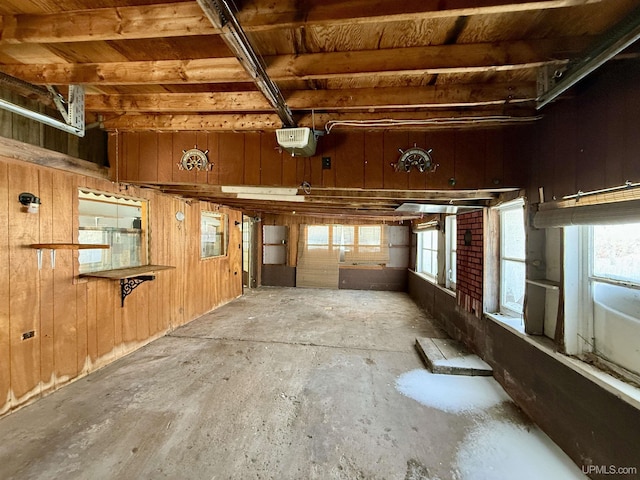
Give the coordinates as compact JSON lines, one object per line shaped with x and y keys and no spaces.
{"x":129,"y":277}
{"x":130,"y":272}
{"x":68,"y":246}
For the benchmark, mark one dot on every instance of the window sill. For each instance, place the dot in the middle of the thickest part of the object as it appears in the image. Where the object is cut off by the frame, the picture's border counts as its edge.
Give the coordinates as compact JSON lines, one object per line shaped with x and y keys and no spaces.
{"x":515,"y":324}
{"x":433,"y":282}
{"x":626,"y":392}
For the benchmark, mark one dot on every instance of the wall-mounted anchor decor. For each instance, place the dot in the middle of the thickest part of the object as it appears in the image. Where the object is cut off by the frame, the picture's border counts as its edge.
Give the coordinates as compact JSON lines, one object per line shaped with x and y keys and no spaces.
{"x":195,"y":158}
{"x":415,"y":157}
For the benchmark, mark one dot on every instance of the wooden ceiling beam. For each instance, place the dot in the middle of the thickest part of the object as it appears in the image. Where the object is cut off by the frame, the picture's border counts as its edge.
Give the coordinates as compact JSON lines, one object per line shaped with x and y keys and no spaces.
{"x":361,"y":98}
{"x":194,"y":122}
{"x":101,"y":24}
{"x":431,"y":60}
{"x":187,"y":18}
{"x":356,"y":194}
{"x":254,"y":122}
{"x":261,"y":15}
{"x":209,"y":70}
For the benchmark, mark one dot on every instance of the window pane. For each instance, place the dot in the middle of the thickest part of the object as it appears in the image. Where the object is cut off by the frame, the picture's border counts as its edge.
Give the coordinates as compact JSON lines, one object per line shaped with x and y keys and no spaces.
{"x":117,"y":222}
{"x":213,"y":234}
{"x":616,"y":252}
{"x":452,"y":273}
{"x":343,"y":235}
{"x":512,"y":282}
{"x":369,"y":235}
{"x":426,"y":262}
{"x":512,"y":231}
{"x":428,"y":244}
{"x":318,"y":235}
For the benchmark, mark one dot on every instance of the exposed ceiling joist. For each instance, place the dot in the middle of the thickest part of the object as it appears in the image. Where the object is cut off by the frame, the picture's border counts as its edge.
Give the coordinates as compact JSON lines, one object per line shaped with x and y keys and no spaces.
{"x":492,"y":115}
{"x":429,"y":60}
{"x":187,"y":18}
{"x":363,"y":98}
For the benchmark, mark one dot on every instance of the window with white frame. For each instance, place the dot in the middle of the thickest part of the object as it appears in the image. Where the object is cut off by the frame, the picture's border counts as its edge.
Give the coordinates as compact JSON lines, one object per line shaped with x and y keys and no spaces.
{"x":214,"y":234}
{"x":609,"y":293}
{"x":512,"y":258}
{"x":427,"y":259}
{"x":600,"y":279}
{"x":113,"y":220}
{"x":451,"y":249}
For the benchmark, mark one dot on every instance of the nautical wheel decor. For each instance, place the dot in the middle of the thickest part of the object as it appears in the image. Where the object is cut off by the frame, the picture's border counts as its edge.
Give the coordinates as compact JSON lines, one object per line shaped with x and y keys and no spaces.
{"x":415,"y":157}
{"x":195,"y":158}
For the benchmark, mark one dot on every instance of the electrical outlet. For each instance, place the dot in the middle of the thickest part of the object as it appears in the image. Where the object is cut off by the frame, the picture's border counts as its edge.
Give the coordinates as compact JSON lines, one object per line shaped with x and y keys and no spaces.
{"x":27,"y":335}
{"x":326,"y":163}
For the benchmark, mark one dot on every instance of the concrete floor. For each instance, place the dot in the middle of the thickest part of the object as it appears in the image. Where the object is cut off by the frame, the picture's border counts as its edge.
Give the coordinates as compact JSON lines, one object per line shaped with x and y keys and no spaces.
{"x":279,"y":384}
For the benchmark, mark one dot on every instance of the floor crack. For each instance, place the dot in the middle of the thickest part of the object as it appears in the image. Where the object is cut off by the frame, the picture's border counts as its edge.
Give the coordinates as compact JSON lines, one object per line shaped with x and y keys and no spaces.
{"x":280,"y":342}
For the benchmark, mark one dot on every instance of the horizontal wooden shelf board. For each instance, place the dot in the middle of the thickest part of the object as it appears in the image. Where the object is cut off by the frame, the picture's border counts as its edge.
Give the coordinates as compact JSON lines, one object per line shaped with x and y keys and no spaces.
{"x":121,"y":273}
{"x":69,"y":246}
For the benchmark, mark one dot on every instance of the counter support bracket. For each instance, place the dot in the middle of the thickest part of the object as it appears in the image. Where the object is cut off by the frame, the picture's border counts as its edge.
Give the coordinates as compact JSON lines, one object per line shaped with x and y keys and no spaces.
{"x":127,"y":285}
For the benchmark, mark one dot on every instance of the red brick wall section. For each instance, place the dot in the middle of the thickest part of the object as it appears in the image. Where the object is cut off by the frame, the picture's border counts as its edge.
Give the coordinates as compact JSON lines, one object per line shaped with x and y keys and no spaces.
{"x":469,"y":262}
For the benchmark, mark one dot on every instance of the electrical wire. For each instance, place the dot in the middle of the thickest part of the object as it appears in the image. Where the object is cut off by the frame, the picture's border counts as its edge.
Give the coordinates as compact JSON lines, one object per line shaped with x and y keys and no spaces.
{"x":391,"y":122}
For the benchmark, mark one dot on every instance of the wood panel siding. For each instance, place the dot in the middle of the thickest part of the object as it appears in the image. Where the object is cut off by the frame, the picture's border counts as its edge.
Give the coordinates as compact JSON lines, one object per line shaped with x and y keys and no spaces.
{"x":78,"y":323}
{"x":359,"y":160}
{"x":589,"y":142}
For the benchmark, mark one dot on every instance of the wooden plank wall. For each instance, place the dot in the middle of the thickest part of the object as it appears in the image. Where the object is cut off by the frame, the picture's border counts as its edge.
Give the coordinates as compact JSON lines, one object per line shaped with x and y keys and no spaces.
{"x":478,"y":158}
{"x":79,"y":324}
{"x":590,"y":141}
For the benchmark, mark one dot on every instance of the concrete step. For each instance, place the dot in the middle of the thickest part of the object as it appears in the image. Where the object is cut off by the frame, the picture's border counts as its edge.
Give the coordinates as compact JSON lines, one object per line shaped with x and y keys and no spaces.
{"x":444,"y":355}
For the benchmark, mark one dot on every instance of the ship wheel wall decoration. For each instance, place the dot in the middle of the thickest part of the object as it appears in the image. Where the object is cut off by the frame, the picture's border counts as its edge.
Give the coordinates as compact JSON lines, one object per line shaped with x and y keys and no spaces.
{"x":195,"y":158}
{"x":415,"y":157}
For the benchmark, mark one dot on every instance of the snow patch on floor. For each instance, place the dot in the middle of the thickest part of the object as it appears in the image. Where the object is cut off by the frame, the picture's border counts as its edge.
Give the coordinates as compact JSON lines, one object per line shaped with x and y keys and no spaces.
{"x":492,"y":449}
{"x":497,"y":449}
{"x":451,"y":393}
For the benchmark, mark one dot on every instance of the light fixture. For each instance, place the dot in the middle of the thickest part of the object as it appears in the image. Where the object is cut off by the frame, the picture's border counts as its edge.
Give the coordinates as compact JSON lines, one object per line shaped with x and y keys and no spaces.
{"x":30,"y":201}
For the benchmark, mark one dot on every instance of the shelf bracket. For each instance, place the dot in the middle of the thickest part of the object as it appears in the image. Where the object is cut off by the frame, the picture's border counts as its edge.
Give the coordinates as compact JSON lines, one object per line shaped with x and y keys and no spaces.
{"x":127,"y":285}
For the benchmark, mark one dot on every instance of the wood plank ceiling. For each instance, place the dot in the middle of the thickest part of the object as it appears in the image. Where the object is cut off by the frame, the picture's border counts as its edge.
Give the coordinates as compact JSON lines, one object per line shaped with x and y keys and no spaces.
{"x":150,"y":65}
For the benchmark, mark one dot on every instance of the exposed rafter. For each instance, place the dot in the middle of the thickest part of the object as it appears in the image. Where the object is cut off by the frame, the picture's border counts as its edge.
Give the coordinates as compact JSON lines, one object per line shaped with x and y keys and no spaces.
{"x":492,"y":115}
{"x":364,"y":98}
{"x":430,"y":60}
{"x":222,"y":16}
{"x":187,"y":18}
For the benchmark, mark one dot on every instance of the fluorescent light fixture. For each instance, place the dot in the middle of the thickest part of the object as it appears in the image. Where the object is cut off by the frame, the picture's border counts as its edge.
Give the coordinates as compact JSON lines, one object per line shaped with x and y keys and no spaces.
{"x":277,"y":198}
{"x":240,"y":189}
{"x":278,"y":194}
{"x":432,"y":208}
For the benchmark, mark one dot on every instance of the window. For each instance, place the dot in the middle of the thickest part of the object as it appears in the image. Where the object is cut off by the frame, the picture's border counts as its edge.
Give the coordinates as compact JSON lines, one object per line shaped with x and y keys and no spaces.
{"x":213,"y":234}
{"x":318,"y":237}
{"x":116,"y":221}
{"x":451,"y":248}
{"x":427,"y":261}
{"x":616,"y":252}
{"x":611,"y":293}
{"x":600,"y":262}
{"x":512,"y":258}
{"x":362,"y":244}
